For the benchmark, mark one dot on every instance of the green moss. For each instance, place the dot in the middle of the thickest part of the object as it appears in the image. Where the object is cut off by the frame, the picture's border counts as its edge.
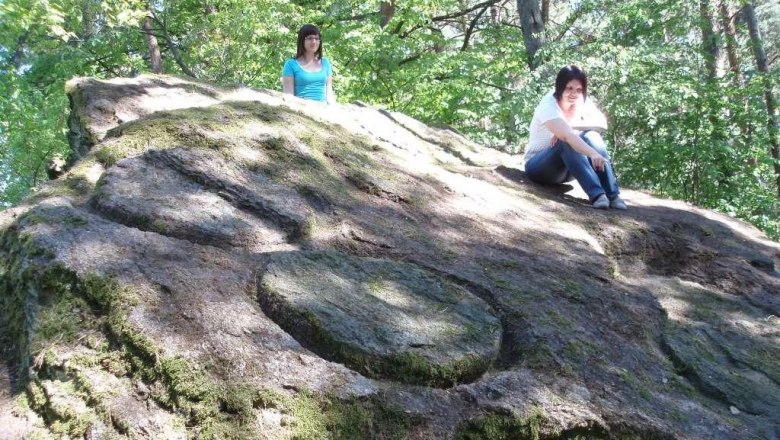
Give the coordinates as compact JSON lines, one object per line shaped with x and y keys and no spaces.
{"x":579,"y":350}
{"x":61,"y":321}
{"x":277,"y":143}
{"x":354,"y":418}
{"x":571,"y":289}
{"x":503,"y":427}
{"x":61,"y":418}
{"x":639,"y":384}
{"x":188,"y":128}
{"x":407,"y":367}
{"x":553,"y":318}
{"x":55,"y":189}
{"x":540,"y":357}
{"x":363,"y":182}
{"x":318,"y":416}
{"x":255,"y":110}
{"x":502,"y":284}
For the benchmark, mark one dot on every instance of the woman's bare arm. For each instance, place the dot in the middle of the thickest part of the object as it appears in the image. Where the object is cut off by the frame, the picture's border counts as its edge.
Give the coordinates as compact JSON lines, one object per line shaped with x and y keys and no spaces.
{"x":561,"y":130}
{"x":329,"y":95}
{"x":288,"y":85}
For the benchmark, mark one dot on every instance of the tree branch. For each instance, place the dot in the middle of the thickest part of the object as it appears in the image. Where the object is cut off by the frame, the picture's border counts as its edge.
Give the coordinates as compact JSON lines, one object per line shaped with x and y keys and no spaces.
{"x":466,"y":11}
{"x":357,"y":17}
{"x":409,"y":59}
{"x":174,"y":49}
{"x":470,"y":29}
{"x":570,"y":21}
{"x":446,"y":17}
{"x":495,"y":86}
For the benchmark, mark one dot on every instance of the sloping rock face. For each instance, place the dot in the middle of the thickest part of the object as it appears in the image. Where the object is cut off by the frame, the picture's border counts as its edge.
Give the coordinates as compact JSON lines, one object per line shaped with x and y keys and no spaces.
{"x":230,"y":263}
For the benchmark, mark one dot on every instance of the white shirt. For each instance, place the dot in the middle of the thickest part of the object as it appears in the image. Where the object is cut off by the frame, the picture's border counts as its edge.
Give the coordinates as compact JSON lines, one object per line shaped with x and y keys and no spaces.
{"x":587,"y":116}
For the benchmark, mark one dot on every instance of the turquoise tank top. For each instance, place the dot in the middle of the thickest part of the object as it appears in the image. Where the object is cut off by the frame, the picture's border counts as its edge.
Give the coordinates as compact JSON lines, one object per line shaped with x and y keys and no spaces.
{"x":308,"y":85}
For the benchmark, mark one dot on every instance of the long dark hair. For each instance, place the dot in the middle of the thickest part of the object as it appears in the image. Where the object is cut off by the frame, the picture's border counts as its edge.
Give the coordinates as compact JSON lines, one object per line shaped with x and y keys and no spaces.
{"x":306,"y":30}
{"x":567,"y":74}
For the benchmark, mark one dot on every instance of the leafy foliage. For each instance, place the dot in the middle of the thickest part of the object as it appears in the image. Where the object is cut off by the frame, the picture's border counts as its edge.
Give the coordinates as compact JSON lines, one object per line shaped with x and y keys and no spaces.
{"x":674,"y":130}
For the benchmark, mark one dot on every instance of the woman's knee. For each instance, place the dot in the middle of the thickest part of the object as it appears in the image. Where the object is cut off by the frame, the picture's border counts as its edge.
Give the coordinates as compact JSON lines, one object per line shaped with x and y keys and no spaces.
{"x":595,"y":141}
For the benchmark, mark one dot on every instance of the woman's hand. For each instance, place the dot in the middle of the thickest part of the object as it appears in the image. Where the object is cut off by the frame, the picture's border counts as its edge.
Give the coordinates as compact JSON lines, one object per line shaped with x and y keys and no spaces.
{"x":598,"y":161}
{"x":561,"y":131}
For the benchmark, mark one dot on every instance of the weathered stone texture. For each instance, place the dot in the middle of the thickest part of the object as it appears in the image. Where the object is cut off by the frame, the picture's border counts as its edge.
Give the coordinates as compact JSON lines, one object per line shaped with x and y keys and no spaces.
{"x":232,"y":263}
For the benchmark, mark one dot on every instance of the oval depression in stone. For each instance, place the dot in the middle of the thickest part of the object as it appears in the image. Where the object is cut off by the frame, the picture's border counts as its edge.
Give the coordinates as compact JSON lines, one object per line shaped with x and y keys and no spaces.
{"x":385,"y":319}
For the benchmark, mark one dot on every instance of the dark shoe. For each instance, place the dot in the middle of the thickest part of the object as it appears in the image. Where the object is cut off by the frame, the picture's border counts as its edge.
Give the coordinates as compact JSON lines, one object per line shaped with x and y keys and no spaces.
{"x":602,"y":202}
{"x":618,"y":203}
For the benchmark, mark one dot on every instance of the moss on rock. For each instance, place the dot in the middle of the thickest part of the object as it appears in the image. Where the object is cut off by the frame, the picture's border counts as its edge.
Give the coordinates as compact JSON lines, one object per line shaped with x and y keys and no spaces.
{"x":352,"y":310}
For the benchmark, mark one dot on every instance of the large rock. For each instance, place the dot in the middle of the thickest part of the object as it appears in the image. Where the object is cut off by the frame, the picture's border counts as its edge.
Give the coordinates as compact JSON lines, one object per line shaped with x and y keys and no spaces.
{"x":232,"y":263}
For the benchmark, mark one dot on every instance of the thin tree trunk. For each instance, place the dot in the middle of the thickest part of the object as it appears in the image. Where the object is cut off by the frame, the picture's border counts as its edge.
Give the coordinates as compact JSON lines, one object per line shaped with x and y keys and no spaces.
{"x":155,"y":59}
{"x":88,"y":20}
{"x":386,"y":11}
{"x":545,"y":11}
{"x":174,"y":48}
{"x":708,"y":39}
{"x":731,"y":40}
{"x":495,"y":14}
{"x":532,"y":26}
{"x":761,"y":64}
{"x":470,"y":29}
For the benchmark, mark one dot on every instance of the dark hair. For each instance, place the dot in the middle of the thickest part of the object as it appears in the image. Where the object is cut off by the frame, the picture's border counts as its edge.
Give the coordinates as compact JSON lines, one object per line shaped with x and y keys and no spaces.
{"x":566,"y":75}
{"x":306,"y":30}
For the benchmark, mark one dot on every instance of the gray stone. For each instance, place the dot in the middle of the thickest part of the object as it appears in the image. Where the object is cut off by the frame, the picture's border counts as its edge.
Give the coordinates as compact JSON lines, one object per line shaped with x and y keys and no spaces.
{"x":383,"y":318}
{"x":225,"y":257}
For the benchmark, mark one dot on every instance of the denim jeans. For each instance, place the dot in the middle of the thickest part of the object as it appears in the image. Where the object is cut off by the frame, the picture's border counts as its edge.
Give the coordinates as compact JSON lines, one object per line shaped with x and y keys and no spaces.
{"x":561,"y":163}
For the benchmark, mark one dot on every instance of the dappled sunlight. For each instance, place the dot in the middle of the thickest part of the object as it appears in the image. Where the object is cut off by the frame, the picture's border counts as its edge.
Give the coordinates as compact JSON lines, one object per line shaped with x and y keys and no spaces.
{"x":94,"y":173}
{"x":730,"y":224}
{"x":279,"y":243}
{"x":501,"y":217}
{"x":412,"y":325}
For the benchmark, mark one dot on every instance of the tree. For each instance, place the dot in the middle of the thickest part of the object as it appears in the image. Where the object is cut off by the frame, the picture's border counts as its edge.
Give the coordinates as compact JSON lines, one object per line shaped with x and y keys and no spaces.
{"x":727,"y":23}
{"x":761,"y":63}
{"x":155,"y":59}
{"x":532,"y":24}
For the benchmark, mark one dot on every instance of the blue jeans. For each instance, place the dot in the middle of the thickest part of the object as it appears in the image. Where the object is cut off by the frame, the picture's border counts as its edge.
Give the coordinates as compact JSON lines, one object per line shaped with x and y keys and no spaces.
{"x":561,"y":163}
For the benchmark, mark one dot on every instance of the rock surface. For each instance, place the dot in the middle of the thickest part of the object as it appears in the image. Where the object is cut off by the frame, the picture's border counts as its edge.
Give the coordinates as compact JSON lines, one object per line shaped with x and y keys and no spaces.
{"x":379,"y":317}
{"x":231,"y":263}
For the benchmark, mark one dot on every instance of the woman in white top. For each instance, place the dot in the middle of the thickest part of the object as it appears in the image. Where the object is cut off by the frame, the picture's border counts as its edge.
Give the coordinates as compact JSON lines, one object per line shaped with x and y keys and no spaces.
{"x":565,"y":143}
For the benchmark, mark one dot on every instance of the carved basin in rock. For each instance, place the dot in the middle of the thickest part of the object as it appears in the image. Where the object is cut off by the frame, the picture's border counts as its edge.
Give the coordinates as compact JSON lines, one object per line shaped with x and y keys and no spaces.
{"x":382,"y":318}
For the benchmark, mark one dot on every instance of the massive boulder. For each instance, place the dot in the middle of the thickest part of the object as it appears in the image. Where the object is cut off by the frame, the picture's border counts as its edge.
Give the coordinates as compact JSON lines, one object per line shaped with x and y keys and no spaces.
{"x":234,"y":263}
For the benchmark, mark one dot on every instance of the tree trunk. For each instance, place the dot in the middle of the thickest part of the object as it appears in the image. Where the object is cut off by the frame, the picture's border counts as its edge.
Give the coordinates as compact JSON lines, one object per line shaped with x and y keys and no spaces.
{"x":545,"y":11}
{"x":495,"y":14}
{"x":761,"y":64}
{"x":172,"y":46}
{"x":17,"y":59}
{"x":386,"y":11}
{"x":155,"y":59}
{"x":731,"y":40}
{"x":89,"y":19}
{"x":470,"y":29}
{"x":708,"y":39}
{"x":532,"y":25}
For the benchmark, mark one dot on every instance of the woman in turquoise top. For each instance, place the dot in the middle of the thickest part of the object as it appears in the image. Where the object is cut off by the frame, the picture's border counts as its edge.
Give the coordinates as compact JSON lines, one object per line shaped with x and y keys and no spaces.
{"x":309,"y":75}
